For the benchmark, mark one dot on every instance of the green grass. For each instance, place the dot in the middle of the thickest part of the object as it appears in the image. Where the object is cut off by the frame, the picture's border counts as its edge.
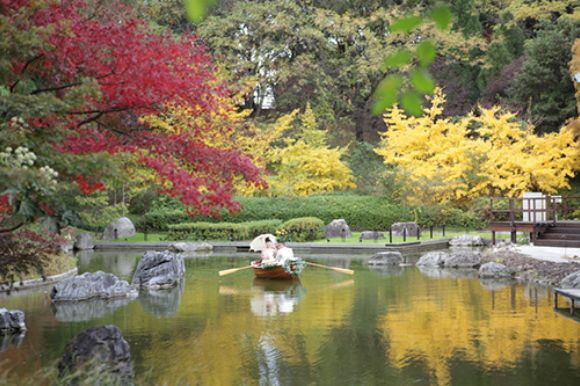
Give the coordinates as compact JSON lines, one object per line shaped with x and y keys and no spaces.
{"x":437,"y":234}
{"x":140,"y":237}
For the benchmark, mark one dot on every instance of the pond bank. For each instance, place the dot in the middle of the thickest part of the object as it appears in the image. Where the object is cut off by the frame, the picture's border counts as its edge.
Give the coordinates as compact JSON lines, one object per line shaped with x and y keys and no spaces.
{"x":310,"y":248}
{"x":533,"y":265}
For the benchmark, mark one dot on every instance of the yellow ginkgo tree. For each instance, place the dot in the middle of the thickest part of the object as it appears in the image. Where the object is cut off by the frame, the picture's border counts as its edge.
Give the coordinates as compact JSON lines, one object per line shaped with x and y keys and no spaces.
{"x":305,"y":164}
{"x":485,"y":154}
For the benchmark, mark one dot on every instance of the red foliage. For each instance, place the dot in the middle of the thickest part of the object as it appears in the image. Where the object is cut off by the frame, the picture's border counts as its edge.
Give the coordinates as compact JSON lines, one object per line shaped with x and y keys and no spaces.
{"x":134,"y":71}
{"x":89,"y":186}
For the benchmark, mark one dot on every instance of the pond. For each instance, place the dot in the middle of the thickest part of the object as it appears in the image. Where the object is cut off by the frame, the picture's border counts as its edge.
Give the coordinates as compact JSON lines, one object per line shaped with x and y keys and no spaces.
{"x":399,"y":326}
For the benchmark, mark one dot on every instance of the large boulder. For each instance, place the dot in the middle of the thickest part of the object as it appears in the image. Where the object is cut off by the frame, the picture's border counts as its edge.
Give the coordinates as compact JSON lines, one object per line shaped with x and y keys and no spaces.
{"x":191,"y":247}
{"x":467,"y":241}
{"x":84,"y":241}
{"x":433,"y":259}
{"x":88,"y":309}
{"x":463,"y":258}
{"x":100,"y":356}
{"x":410,"y":228}
{"x":337,"y":228}
{"x":571,"y":281}
{"x":11,"y":322}
{"x":371,"y":235}
{"x":92,"y":285}
{"x":158,"y":270}
{"x":494,"y":270}
{"x":386,"y":258}
{"x":119,"y":229}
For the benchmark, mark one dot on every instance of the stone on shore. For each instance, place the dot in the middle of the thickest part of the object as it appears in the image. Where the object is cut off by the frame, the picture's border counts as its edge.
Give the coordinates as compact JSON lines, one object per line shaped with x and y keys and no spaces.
{"x":92,"y":285}
{"x":371,"y":235}
{"x":99,"y":355}
{"x":572,"y":281}
{"x":337,"y":228}
{"x":386,"y":258}
{"x":191,"y":247}
{"x":11,"y":322}
{"x":158,"y":270}
{"x":83,"y":241}
{"x":467,"y":241}
{"x":433,"y":259}
{"x":410,"y":228}
{"x":119,"y":229}
{"x":494,"y":270}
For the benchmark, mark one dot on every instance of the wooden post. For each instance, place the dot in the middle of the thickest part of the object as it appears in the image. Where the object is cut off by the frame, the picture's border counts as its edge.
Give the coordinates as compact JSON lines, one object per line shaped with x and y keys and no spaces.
{"x":430,"y":231}
{"x":391,"y":234}
{"x":493,"y":237}
{"x":418,"y":233}
{"x":404,"y":234}
{"x":571,"y":306}
{"x":443,"y":228}
{"x":555,"y":300}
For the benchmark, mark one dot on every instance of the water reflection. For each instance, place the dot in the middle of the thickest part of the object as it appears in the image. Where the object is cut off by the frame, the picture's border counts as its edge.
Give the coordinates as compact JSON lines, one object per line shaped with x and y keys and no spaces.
{"x":164,"y":302}
{"x":448,"y":273}
{"x":271,"y":297}
{"x":11,"y":339}
{"x":87,"y":309}
{"x":386,"y":270}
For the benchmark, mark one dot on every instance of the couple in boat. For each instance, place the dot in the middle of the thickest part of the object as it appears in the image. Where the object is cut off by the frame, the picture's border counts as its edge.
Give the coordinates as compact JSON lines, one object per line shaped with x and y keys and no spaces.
{"x":276,"y":261}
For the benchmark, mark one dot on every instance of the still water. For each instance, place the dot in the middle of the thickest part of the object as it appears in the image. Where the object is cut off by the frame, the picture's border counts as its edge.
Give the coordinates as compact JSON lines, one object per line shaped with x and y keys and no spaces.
{"x":397,"y":327}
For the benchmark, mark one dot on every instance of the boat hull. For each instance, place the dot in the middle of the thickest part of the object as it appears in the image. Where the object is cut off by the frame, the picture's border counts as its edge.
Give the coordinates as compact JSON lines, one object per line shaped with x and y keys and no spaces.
{"x":274,"y":273}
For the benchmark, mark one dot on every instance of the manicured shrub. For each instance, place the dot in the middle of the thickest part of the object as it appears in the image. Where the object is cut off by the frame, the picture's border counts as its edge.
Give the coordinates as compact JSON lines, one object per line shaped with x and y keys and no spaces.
{"x":301,"y":229}
{"x":221,"y":231}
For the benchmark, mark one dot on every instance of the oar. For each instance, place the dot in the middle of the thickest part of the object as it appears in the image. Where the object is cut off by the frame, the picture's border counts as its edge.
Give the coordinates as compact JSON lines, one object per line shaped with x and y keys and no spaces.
{"x":233,"y":270}
{"x":341,"y":270}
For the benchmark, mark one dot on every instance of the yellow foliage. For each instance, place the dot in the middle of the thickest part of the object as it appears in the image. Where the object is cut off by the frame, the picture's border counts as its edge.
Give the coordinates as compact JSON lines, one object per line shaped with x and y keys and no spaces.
{"x":447,"y":160}
{"x":306,"y":165}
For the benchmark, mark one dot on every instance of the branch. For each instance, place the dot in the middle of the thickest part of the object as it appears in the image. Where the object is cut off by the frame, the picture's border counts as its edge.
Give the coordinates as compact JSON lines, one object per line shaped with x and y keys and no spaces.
{"x":28,"y":63}
{"x":11,"y":229}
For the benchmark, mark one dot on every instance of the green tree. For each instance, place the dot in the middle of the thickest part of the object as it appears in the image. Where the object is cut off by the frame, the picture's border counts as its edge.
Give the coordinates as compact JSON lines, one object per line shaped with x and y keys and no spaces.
{"x":544,"y":85}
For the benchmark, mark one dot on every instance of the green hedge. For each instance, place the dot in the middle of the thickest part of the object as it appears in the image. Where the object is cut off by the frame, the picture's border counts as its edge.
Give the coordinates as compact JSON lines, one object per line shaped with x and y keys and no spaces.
{"x":301,"y":229}
{"x":360,"y":212}
{"x":221,"y":231}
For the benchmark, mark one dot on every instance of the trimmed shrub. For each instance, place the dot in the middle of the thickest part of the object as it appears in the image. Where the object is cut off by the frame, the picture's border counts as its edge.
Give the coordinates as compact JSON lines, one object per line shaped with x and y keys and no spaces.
{"x":221,"y":231}
{"x":301,"y":229}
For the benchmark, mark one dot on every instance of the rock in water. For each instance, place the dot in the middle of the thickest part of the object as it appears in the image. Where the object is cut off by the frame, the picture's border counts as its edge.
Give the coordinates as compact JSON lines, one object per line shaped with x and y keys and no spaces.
{"x":191,"y":247}
{"x":337,"y":228}
{"x":463,"y":258}
{"x":91,"y":285}
{"x":84,"y":241}
{"x":466,"y":241}
{"x":410,"y":228}
{"x":11,"y":322}
{"x":119,"y":229}
{"x":571,"y":281}
{"x":159,"y":270}
{"x":433,"y":259}
{"x":386,"y":258}
{"x":494,"y":270}
{"x":99,"y":355}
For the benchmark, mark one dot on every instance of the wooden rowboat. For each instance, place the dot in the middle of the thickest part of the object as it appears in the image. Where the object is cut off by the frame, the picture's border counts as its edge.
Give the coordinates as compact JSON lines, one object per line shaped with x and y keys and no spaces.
{"x":289,"y":271}
{"x":276,"y":273}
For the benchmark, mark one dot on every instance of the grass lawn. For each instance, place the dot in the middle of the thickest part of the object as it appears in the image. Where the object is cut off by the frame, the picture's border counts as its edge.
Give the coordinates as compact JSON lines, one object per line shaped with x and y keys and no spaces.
{"x":139,"y":237}
{"x":437,"y":234}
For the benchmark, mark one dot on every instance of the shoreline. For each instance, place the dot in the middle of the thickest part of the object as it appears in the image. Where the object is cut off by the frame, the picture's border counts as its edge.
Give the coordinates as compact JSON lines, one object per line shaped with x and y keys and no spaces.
{"x":38,"y":282}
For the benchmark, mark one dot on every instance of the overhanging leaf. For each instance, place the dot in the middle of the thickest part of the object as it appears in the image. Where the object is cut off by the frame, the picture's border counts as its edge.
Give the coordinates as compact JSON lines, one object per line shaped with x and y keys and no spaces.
{"x":441,"y":15}
{"x":406,"y":24}
{"x":422,"y":81}
{"x":426,"y":52}
{"x":398,"y":59}
{"x":411,"y":102}
{"x":386,"y":93}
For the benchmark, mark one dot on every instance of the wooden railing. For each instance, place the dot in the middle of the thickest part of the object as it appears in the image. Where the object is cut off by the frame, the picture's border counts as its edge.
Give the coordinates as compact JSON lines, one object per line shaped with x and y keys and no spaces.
{"x":533,"y":209}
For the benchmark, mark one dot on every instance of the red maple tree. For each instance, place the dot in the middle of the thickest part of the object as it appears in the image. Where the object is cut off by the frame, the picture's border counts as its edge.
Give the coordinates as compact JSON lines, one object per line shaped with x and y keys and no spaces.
{"x":106,"y":68}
